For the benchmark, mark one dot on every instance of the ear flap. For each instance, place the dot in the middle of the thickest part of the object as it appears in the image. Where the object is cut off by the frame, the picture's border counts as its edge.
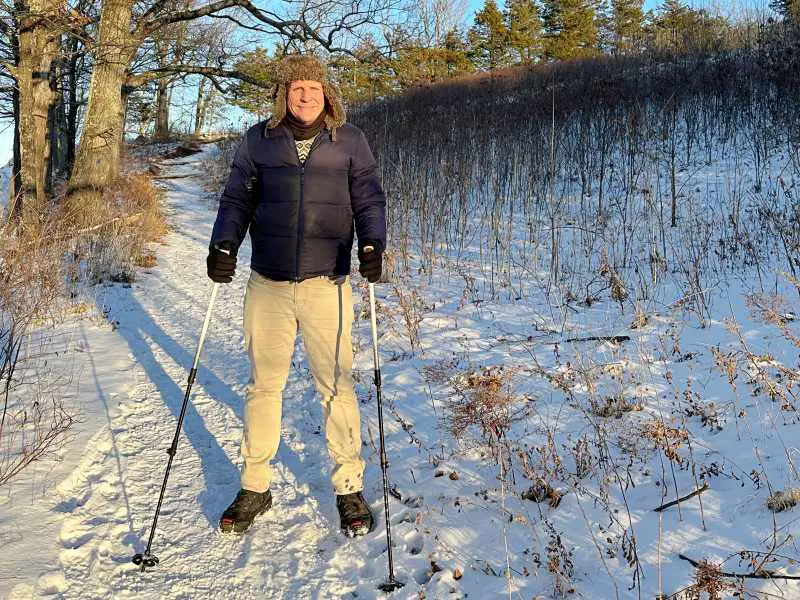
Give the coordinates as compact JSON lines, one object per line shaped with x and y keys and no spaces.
{"x":336,"y":115}
{"x":278,"y":107}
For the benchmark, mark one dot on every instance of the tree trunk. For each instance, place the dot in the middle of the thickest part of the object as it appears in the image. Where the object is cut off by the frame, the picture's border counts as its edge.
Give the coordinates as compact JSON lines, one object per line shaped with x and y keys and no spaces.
{"x":162,"y":94}
{"x":58,"y":167}
{"x":200,"y":107}
{"x":38,"y":47}
{"x":72,"y":102}
{"x":162,"y":110}
{"x":16,"y":182}
{"x":97,"y":160}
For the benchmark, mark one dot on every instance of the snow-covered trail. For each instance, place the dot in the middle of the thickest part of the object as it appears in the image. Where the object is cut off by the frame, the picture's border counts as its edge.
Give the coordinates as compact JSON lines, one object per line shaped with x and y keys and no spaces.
{"x":295,"y":550}
{"x":462,"y":530}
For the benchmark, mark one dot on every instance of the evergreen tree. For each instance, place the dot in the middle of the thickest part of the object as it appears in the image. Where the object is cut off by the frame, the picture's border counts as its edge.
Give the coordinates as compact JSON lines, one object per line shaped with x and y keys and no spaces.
{"x":525,"y":29}
{"x":456,"y":54}
{"x":365,"y":76}
{"x":489,"y":38}
{"x":416,"y":63}
{"x":570,"y":28}
{"x":258,"y":64}
{"x":679,"y":28}
{"x":788,"y":9}
{"x":627,"y":23}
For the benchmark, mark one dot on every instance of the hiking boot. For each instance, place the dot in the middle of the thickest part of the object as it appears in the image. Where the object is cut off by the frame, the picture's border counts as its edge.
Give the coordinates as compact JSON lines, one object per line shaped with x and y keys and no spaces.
{"x":354,"y":516}
{"x":247,"y":506}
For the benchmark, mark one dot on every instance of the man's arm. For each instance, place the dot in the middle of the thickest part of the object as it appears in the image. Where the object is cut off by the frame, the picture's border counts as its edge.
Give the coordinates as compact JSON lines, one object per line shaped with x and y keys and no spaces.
{"x":237,"y":203}
{"x":367,"y":198}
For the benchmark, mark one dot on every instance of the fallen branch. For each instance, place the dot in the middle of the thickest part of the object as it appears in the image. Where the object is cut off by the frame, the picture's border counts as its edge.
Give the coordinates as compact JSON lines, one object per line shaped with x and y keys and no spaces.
{"x":616,"y":339}
{"x":761,"y":575}
{"x":697,"y":492}
{"x":182,"y":151}
{"x":174,"y":176}
{"x":40,"y":243}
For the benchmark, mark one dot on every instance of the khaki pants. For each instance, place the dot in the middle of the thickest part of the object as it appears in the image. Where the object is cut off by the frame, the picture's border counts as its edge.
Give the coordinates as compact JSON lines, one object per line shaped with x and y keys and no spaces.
{"x":323,"y":309}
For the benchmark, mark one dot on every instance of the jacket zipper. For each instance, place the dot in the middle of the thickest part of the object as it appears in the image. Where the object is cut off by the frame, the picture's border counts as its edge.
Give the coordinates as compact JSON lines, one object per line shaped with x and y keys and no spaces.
{"x":314,"y":144}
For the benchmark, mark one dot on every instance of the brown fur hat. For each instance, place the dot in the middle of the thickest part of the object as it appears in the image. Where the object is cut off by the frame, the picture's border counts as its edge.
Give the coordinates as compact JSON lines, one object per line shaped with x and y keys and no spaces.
{"x":307,"y":67}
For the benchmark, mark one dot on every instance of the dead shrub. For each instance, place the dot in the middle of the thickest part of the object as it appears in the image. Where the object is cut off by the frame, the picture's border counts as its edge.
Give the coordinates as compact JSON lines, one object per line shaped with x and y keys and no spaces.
{"x":668,"y":439}
{"x":614,"y":406}
{"x":484,"y":399}
{"x":134,"y":218}
{"x":412,"y":308}
{"x":145,"y":261}
{"x":783,"y":500}
{"x":559,"y":562}
{"x":218,"y":169}
{"x":33,"y":421}
{"x":541,"y":491}
{"x":708,"y":580}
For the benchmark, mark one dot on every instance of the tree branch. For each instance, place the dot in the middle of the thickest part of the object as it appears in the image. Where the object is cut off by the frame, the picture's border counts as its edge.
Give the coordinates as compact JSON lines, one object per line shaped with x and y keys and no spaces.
{"x":698,"y":491}
{"x":298,"y":29}
{"x":239,"y":23}
{"x":141,"y":79}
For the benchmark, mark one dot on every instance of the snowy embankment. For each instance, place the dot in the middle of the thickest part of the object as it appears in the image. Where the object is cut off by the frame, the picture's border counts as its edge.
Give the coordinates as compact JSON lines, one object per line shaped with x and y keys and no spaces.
{"x":529,"y":445}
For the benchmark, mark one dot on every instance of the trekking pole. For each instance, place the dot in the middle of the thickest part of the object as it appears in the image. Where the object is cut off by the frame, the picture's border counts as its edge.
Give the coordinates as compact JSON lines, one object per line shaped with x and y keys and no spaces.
{"x":392,"y":584}
{"x":146,"y":559}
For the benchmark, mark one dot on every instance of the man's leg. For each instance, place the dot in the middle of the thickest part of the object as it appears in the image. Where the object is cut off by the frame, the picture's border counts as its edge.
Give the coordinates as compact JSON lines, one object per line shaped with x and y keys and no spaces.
{"x":270,"y":329}
{"x":325,"y":312}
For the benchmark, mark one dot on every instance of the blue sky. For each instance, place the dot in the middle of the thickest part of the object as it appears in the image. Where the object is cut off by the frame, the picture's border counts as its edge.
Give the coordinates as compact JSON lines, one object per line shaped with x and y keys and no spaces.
{"x":6,"y":134}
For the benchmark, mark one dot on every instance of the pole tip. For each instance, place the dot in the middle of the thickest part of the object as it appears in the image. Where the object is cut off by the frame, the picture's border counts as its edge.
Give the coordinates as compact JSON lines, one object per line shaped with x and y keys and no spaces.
{"x":145,"y":560}
{"x":391,"y":586}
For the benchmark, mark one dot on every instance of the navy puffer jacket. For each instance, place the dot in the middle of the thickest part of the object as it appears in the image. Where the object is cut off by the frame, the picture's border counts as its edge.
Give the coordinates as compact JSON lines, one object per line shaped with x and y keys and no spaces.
{"x":301,"y":217}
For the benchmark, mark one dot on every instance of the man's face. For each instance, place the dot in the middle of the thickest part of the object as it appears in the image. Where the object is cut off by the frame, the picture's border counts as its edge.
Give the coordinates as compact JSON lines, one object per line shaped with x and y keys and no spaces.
{"x":306,"y":100}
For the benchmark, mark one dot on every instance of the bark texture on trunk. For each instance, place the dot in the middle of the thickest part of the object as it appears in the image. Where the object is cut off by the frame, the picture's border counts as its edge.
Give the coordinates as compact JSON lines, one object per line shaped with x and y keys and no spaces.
{"x":58,"y":166}
{"x":39,"y":39}
{"x":200,"y":107}
{"x":97,"y":159}
{"x":161,"y":132}
{"x":16,"y":186}
{"x":76,"y":62}
{"x":162,"y":110}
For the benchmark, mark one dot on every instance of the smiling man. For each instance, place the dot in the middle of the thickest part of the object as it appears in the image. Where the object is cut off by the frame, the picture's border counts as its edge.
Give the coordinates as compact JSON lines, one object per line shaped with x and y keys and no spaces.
{"x":303,"y":183}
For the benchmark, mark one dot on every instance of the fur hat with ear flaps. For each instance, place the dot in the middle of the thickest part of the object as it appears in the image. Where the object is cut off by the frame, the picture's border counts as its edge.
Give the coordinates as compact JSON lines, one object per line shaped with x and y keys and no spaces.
{"x":298,"y":67}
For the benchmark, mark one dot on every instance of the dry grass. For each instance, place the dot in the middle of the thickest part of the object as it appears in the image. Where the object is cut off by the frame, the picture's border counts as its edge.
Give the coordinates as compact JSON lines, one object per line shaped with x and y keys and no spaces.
{"x":43,"y":261}
{"x":219,"y":169}
{"x":133,"y":219}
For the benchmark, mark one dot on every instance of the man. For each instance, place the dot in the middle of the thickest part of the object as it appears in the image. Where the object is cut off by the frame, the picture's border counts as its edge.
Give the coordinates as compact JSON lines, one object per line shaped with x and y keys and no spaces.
{"x":300,"y":182}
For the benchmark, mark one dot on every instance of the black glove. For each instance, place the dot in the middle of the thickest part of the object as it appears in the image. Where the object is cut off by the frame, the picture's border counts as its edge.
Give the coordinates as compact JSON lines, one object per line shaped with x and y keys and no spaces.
{"x":370,"y":261}
{"x":221,"y":265}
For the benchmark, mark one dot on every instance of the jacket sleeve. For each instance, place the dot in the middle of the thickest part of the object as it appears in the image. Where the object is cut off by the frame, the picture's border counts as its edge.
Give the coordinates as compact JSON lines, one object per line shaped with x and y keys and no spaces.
{"x":366,"y":195}
{"x":236,"y":205}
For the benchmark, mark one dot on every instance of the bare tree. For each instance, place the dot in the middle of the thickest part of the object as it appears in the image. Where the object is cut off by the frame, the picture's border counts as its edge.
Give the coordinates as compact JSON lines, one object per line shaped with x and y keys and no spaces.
{"x":433,"y":19}
{"x":211,"y":50}
{"x":328,"y":25}
{"x":39,"y":25}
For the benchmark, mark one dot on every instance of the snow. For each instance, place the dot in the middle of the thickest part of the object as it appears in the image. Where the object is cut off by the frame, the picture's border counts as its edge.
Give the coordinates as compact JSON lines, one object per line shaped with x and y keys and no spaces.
{"x":5,"y":179}
{"x":34,"y":506}
{"x":70,"y":527}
